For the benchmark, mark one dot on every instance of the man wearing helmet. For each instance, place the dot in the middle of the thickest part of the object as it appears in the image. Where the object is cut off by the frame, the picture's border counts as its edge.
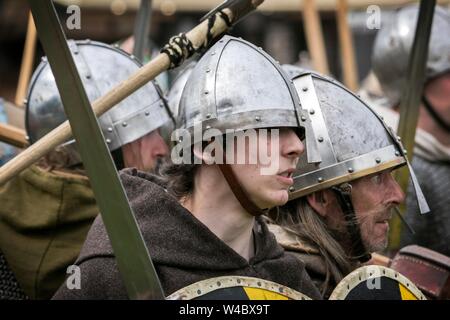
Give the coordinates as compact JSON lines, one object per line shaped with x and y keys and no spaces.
{"x":201,"y":219}
{"x":340,"y":208}
{"x":48,"y":209}
{"x":431,"y":158}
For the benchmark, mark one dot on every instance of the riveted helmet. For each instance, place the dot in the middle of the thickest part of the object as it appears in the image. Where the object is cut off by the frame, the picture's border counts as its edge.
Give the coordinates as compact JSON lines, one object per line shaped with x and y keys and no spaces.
{"x":393,"y":45}
{"x":353,"y":142}
{"x":101,"y":67}
{"x":238,"y":86}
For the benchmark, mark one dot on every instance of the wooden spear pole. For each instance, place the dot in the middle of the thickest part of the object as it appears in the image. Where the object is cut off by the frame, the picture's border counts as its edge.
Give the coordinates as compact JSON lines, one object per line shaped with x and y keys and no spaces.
{"x":198,"y":36}
{"x":13,"y":136}
{"x":314,"y":37}
{"x":27,"y":62}
{"x":348,"y":61}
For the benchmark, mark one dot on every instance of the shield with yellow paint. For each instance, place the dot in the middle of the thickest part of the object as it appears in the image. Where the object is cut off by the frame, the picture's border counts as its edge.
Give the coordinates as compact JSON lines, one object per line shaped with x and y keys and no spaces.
{"x":376,"y":283}
{"x":236,"y":288}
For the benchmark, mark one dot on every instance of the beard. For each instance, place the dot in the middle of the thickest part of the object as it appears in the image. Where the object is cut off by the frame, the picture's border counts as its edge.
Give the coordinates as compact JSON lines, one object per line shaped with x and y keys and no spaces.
{"x":374,"y":228}
{"x":373,"y":235}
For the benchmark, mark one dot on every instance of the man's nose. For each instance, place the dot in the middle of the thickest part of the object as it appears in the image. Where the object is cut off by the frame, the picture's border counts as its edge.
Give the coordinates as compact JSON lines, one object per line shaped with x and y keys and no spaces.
{"x":396,"y":193}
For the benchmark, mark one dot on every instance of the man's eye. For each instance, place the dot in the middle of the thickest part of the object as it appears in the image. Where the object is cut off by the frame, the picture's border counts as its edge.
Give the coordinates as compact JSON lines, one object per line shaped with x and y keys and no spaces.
{"x":376,"y":179}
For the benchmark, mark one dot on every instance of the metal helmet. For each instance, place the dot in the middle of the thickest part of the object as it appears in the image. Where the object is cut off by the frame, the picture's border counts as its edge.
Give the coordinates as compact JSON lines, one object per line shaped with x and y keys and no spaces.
{"x":393,"y":45}
{"x":292,"y":70}
{"x":101,"y":67}
{"x":353,"y":142}
{"x":238,"y":86}
{"x":173,"y":98}
{"x":176,"y":89}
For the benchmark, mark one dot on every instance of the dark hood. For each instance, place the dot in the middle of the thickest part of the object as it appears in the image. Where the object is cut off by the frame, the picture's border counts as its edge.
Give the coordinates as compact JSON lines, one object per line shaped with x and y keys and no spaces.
{"x":183,"y":249}
{"x":164,"y":222}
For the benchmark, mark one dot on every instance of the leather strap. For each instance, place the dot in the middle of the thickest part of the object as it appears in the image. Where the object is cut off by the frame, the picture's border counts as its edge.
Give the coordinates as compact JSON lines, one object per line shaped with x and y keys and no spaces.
{"x":238,"y":191}
{"x":435,"y":115}
{"x":344,"y":196}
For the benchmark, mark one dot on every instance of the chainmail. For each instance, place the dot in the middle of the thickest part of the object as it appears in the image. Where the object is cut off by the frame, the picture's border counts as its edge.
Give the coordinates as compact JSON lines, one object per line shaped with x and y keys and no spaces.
{"x":9,"y":288}
{"x":432,"y":229}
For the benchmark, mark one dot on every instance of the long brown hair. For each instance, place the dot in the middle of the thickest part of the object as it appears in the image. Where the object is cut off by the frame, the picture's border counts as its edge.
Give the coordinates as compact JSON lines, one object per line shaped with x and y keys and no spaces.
{"x":299,"y":218}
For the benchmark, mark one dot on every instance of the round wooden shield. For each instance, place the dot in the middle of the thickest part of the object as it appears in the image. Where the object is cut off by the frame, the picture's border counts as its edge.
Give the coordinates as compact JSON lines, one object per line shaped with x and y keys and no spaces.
{"x":236,"y":288}
{"x":376,"y":283}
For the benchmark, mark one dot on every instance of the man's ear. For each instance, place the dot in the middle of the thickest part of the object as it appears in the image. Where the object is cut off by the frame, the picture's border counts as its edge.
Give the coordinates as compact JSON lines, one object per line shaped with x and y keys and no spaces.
{"x":321,"y":201}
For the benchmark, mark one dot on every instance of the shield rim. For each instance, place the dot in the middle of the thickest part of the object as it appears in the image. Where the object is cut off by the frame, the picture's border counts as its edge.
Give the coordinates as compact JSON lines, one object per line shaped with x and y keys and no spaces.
{"x":363,"y":274}
{"x":190,"y":292}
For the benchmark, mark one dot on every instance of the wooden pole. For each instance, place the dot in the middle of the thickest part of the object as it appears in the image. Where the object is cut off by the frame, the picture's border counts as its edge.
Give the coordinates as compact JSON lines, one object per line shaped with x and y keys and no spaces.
{"x":410,"y":104}
{"x":27,"y":62}
{"x":348,"y":61}
{"x":198,"y":37}
{"x":314,"y":37}
{"x":13,"y":136}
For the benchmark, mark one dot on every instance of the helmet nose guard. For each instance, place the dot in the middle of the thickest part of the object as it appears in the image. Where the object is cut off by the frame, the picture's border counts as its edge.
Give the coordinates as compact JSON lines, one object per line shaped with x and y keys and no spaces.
{"x":353,"y":140}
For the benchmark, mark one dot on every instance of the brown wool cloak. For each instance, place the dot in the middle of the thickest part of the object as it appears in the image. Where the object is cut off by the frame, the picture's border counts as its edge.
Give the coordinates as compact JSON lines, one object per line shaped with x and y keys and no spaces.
{"x":183,"y":249}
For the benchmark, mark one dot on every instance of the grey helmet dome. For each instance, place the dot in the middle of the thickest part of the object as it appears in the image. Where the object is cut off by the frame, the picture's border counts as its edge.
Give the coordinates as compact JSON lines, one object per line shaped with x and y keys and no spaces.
{"x":353,"y":140}
{"x":236,"y":85}
{"x":393,"y":45}
{"x":101,"y":67}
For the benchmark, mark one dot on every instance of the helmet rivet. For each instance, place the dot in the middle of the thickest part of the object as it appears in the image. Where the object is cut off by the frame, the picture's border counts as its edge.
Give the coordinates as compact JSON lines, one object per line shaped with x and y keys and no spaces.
{"x":161,"y":104}
{"x":208,"y":116}
{"x":44,"y":59}
{"x":116,"y":45}
{"x":132,"y":56}
{"x":311,"y":111}
{"x":208,"y":127}
{"x":397,"y":153}
{"x":382,"y":118}
{"x":27,"y":137}
{"x":208,"y":70}
{"x":147,"y":113}
{"x":124,"y":124}
{"x":405,"y":151}
{"x":25,"y":102}
{"x":320,"y":139}
{"x":377,"y":160}
{"x":350,"y":170}
{"x":303,"y":118}
{"x":320,"y":179}
{"x":305,"y":89}
{"x":88,"y":76}
{"x":399,"y":138}
{"x":258,"y":118}
{"x":110,"y":129}
{"x":206,"y":92}
{"x":291,"y":189}
{"x":213,"y":53}
{"x":108,"y":141}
